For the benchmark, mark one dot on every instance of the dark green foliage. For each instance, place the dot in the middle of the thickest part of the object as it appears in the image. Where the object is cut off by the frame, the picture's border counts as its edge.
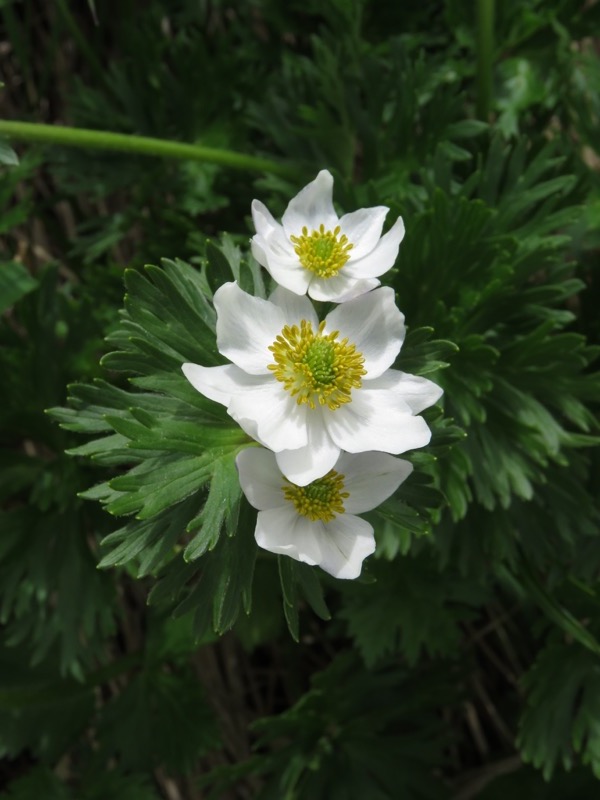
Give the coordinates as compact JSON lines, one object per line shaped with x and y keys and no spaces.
{"x":355,"y":734}
{"x":526,"y":782}
{"x":51,"y":595}
{"x":15,"y":283}
{"x":44,"y":783}
{"x":561,"y":720}
{"x":191,"y":662}
{"x":138,"y":726}
{"x":179,"y":449}
{"x":411,"y":611}
{"x":519,"y":385}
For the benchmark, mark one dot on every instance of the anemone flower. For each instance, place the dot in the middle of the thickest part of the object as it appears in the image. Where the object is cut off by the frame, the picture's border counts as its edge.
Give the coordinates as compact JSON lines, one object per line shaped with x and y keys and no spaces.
{"x":307,"y":389}
{"x":317,"y":523}
{"x":316,"y":252}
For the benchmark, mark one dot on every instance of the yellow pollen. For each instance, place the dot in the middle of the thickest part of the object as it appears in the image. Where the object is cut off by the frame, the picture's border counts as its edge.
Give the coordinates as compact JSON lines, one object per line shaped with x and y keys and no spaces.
{"x":322,"y":252}
{"x":321,"y":500}
{"x":315,"y":368}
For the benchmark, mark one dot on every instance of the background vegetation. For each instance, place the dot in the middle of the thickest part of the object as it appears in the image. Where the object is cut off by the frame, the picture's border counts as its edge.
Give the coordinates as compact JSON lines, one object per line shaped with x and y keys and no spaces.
{"x":465,"y":663}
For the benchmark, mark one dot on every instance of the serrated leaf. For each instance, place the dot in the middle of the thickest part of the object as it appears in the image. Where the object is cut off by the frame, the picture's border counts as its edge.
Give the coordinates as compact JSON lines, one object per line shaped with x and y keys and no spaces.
{"x":220,"y":509}
{"x":156,"y":484}
{"x":563,"y":689}
{"x":409,"y":610}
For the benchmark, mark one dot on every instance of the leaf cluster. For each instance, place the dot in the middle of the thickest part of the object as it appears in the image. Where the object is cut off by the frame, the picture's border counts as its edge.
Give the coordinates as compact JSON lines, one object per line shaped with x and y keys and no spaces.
{"x":475,"y":623}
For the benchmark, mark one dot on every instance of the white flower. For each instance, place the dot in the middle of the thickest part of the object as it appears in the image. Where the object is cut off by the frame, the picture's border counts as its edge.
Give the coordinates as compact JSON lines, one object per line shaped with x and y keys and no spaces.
{"x":317,"y":523}
{"x":315,"y":252}
{"x":306,"y":390}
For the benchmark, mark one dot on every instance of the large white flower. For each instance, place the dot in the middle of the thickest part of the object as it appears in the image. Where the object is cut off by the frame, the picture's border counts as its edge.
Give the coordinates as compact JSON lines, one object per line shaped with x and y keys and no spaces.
{"x":317,"y":523}
{"x":308,"y":390}
{"x":314,"y":251}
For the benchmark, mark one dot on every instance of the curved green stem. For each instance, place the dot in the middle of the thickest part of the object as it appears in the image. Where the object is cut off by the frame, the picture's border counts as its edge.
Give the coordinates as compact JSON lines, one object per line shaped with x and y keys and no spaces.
{"x":140,"y":145}
{"x":485,"y":57}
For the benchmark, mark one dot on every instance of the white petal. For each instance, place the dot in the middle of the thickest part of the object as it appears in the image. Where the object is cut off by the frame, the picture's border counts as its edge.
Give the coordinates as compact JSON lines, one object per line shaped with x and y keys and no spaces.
{"x":374,"y":324}
{"x":220,"y":383}
{"x":246,"y":326}
{"x":271,"y":415}
{"x":381,"y":258}
{"x":257,"y":246}
{"x":264,"y":221}
{"x":258,"y":403}
{"x":288,"y":273}
{"x":340,"y":288}
{"x":376,"y":420}
{"x":274,"y":250}
{"x":294,"y":308}
{"x":312,"y":207}
{"x":363,"y":228}
{"x":283,"y":530}
{"x":417,"y":392}
{"x":260,"y":478}
{"x":306,"y":464}
{"x":370,"y":478}
{"x":346,"y":542}
{"x":277,"y":246}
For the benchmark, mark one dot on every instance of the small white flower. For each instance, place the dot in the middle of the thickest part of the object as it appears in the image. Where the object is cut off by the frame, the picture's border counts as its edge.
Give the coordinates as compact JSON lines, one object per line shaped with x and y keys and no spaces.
{"x":317,"y":523}
{"x":308,"y":390}
{"x":314,"y":251}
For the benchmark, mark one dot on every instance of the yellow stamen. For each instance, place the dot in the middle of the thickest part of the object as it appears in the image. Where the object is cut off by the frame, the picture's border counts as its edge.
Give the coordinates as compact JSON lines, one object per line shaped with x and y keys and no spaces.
{"x":321,"y":500}
{"x":322,"y":252}
{"x":316,"y":368}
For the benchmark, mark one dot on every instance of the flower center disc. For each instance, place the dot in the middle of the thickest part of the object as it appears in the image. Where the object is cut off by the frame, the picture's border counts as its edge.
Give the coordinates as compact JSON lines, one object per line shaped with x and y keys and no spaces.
{"x":321,"y":500}
{"x":322,"y":252}
{"x":314,"y":368}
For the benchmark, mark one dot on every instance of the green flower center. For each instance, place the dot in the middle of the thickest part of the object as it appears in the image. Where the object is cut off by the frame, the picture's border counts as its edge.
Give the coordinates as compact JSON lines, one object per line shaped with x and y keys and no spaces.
{"x":322,"y":499}
{"x":322,"y":252}
{"x":320,"y":360}
{"x":314,"y":368}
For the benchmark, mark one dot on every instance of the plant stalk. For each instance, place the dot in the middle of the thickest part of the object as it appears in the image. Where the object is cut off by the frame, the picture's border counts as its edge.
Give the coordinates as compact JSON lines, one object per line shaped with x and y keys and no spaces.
{"x":140,"y":145}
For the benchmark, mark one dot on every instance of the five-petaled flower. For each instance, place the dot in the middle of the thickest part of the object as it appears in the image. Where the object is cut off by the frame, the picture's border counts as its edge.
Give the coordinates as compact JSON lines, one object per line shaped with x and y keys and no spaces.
{"x":317,"y":523}
{"x":307,"y":389}
{"x":314,"y":251}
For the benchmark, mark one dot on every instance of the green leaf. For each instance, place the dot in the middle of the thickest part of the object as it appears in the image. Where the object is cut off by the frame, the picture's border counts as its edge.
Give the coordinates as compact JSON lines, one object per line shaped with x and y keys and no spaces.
{"x":554,"y":610}
{"x":354,"y":734}
{"x":40,"y":782}
{"x":222,"y":581}
{"x":466,"y":129}
{"x":15,"y":283}
{"x":158,"y":483}
{"x":300,"y":582}
{"x":220,"y":509}
{"x":8,"y":157}
{"x":137,"y":725}
{"x":563,"y":701}
{"x":38,"y":712}
{"x":410,"y":609}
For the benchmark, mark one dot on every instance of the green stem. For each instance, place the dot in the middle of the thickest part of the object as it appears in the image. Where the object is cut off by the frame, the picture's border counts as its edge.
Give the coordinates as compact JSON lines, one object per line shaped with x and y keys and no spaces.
{"x":485,"y":57}
{"x":140,"y":145}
